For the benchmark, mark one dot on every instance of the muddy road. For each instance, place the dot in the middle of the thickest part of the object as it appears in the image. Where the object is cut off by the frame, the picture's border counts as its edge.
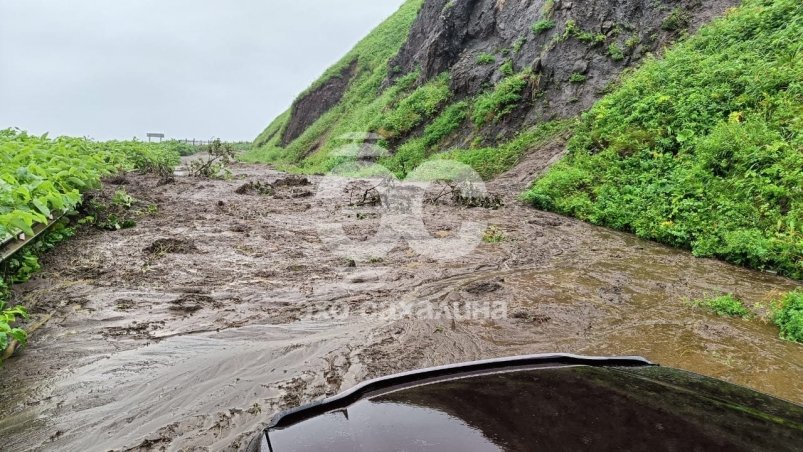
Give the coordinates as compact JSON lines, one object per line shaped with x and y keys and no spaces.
{"x":189,"y":330}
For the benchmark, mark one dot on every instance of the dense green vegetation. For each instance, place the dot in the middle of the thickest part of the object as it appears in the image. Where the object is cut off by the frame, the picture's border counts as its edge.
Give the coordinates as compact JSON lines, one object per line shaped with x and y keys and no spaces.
{"x":543,"y":25}
{"x":789,"y":316}
{"x":724,"y":305}
{"x":703,"y":148}
{"x":360,"y":104}
{"x":43,"y":178}
{"x":492,"y":161}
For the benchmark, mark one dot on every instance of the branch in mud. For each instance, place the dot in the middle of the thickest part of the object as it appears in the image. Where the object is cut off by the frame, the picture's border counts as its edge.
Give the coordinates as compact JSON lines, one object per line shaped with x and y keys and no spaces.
{"x":465,"y":195}
{"x":219,"y":155}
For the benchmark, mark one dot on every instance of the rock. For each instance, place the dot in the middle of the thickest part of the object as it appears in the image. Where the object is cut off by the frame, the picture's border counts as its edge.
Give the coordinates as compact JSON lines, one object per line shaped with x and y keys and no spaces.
{"x":580,"y":67}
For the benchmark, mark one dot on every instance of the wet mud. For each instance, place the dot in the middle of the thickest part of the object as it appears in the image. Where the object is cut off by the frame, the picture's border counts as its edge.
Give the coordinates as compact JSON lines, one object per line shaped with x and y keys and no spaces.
{"x":225,"y":305}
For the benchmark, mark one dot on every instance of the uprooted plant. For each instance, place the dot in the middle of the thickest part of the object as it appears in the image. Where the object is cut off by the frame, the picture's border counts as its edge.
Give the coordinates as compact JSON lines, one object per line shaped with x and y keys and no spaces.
{"x":214,"y":164}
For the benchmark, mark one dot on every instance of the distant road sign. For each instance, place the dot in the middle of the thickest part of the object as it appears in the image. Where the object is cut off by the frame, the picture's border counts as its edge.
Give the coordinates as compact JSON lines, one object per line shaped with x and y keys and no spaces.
{"x":156,"y":135}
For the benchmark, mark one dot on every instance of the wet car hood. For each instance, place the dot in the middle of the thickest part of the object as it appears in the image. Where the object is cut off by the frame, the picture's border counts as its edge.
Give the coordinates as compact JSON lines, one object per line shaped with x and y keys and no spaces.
{"x":555,"y":404}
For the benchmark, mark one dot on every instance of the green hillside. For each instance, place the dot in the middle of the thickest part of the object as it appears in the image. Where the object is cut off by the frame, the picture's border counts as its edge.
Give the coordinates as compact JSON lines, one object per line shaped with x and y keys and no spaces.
{"x":702,"y":148}
{"x":358,"y":105}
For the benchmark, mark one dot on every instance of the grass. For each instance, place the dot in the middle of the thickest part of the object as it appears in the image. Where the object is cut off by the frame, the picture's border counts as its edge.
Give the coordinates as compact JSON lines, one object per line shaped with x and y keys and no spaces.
{"x":489,"y":162}
{"x":503,"y":99}
{"x":416,"y":150}
{"x":419,"y":105}
{"x":543,"y":25}
{"x":485,"y":58}
{"x":358,"y":109}
{"x":725,"y":306}
{"x":700,"y":149}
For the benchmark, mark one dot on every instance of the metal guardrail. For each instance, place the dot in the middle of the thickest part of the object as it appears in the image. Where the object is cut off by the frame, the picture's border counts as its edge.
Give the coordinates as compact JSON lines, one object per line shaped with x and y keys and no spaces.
{"x":12,"y":243}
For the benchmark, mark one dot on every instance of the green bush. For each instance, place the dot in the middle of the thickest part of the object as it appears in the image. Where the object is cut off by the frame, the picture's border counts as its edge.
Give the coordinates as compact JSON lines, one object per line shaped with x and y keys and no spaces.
{"x":789,"y":317}
{"x":504,"y":98}
{"x":724,"y":305}
{"x":615,"y":52}
{"x":543,"y":25}
{"x":577,"y":77}
{"x":700,"y":149}
{"x":485,"y":58}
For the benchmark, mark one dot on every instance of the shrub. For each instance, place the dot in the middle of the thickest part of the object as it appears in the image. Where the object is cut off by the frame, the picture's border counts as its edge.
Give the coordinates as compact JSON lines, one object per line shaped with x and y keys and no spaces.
{"x":543,"y":25}
{"x":485,"y":58}
{"x":577,"y":77}
{"x":789,"y":317}
{"x":724,"y":305}
{"x":615,"y":52}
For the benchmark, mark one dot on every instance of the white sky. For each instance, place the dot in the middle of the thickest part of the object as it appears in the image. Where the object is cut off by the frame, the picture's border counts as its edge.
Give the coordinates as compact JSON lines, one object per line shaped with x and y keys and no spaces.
{"x":188,"y":68}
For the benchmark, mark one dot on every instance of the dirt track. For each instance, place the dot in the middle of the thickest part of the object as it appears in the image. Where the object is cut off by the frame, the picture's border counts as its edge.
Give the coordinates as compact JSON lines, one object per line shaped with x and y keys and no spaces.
{"x":191,"y":329}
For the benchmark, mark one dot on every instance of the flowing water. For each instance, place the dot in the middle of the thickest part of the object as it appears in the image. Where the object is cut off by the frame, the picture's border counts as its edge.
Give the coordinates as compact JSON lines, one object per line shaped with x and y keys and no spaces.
{"x":190,"y":330}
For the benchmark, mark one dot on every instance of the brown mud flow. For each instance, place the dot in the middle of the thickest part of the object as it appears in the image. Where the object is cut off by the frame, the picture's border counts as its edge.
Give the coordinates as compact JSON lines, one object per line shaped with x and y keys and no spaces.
{"x":191,"y":329}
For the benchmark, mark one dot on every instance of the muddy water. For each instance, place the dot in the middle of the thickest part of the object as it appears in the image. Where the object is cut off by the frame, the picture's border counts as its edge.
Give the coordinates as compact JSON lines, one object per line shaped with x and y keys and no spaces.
{"x":191,"y":329}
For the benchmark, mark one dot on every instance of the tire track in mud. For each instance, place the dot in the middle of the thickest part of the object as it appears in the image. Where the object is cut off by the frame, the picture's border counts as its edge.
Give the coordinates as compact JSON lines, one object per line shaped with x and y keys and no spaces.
{"x":190,"y":330}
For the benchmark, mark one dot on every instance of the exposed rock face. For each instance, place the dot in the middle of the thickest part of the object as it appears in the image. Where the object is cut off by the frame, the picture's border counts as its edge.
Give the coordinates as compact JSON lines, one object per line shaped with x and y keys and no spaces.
{"x":575,"y":52}
{"x":449,"y":35}
{"x":312,"y":105}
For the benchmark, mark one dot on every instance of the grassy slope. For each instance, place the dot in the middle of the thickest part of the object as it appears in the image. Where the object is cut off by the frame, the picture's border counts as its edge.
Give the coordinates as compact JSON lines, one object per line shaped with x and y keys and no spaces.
{"x":359,"y":104}
{"x":702,"y":149}
{"x":415,"y":118}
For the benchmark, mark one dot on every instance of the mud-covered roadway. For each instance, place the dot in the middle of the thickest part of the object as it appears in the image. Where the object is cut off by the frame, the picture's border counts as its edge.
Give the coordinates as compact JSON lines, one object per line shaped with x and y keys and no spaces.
{"x":224,"y":306}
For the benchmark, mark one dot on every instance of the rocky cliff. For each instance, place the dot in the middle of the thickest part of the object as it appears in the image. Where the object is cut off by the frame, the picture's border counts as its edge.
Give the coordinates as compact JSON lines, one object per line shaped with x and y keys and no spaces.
{"x":510,"y":64}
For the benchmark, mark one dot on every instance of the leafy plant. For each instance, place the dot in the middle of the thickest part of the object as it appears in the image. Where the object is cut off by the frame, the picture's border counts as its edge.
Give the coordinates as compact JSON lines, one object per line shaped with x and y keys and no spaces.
{"x":573,"y":30}
{"x":123,"y":199}
{"x":485,"y":58}
{"x":507,"y":68}
{"x":8,"y":316}
{"x":493,"y":235}
{"x":543,"y":25}
{"x":577,"y":77}
{"x":615,"y":52}
{"x":218,"y":156}
{"x":724,"y":305}
{"x":789,"y":317}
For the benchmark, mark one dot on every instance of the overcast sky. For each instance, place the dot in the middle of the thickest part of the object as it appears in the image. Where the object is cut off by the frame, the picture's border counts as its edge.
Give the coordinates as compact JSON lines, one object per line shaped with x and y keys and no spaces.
{"x":188,"y":68}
